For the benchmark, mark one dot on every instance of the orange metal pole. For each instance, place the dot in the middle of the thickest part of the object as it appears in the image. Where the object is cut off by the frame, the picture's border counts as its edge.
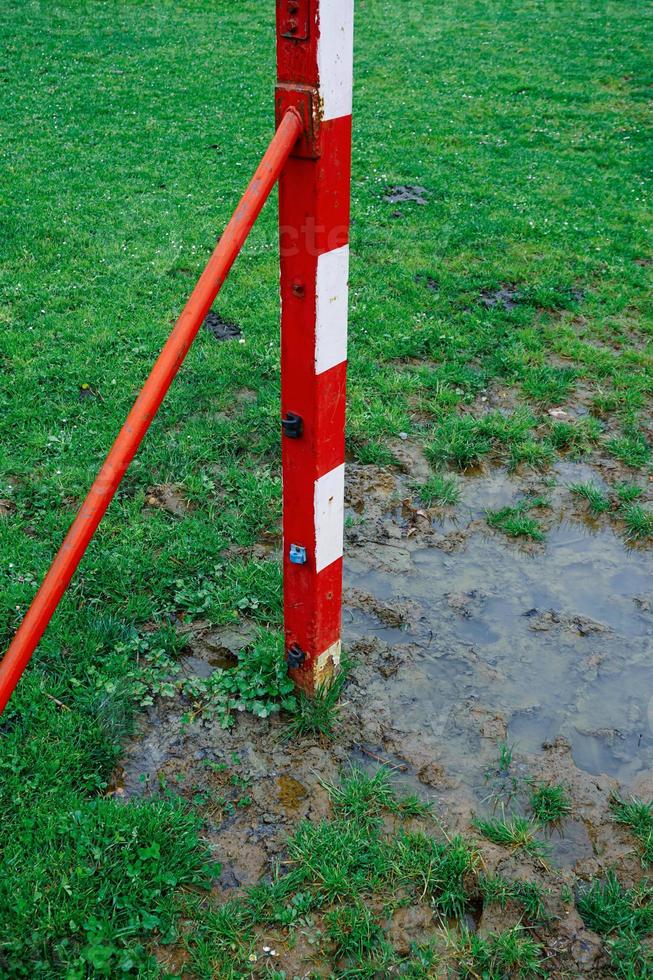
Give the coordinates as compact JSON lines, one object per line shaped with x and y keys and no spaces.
{"x":146,"y":406}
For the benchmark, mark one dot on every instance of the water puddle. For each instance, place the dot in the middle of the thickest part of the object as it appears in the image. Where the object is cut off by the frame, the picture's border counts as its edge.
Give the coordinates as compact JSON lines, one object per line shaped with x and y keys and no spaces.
{"x":554,"y":642}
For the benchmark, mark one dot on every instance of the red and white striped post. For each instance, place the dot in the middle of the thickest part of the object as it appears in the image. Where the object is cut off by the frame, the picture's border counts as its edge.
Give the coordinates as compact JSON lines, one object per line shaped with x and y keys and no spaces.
{"x":314,"y":55}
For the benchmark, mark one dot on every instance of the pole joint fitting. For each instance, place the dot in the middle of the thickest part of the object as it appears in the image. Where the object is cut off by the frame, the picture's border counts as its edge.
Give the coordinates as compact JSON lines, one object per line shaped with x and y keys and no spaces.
{"x":304,"y":101}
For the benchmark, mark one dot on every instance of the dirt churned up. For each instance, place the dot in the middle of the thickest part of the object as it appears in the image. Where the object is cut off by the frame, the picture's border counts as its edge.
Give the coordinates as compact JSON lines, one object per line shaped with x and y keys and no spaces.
{"x":462,"y":640}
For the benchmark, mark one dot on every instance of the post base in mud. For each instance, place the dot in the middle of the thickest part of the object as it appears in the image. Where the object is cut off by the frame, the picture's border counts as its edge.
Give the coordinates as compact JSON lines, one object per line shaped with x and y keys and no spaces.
{"x":320,"y":673}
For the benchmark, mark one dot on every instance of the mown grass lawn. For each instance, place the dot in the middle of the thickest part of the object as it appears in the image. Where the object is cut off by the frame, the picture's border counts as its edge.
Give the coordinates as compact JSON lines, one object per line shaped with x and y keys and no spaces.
{"x":129,"y":129}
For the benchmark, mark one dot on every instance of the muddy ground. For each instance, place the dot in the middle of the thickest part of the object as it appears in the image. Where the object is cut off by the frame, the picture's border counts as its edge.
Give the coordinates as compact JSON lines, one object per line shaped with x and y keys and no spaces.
{"x":462,"y":639}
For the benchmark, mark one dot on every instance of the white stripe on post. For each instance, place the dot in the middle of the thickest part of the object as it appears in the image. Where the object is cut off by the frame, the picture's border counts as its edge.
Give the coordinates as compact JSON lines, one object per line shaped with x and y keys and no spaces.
{"x":331,"y":308}
{"x":335,"y":57}
{"x":329,"y":516}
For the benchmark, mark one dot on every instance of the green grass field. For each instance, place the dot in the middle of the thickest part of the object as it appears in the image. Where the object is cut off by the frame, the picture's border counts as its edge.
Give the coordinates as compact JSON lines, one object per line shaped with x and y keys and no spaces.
{"x":129,"y":129}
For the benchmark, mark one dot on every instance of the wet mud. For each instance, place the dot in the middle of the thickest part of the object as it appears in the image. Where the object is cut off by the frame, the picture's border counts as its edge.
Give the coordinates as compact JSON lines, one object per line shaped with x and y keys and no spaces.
{"x":431,"y":284}
{"x":169,"y":497}
{"x":461,"y":639}
{"x":507,"y":297}
{"x":6,"y":507}
{"x":220,"y":328}
{"x":406,"y":193}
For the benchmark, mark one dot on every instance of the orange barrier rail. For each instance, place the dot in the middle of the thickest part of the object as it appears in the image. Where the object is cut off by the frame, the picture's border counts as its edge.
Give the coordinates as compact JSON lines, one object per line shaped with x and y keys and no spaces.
{"x":146,"y":405}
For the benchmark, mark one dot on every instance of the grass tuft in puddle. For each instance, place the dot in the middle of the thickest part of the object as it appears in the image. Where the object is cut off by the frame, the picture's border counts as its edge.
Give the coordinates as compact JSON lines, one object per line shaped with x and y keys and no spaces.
{"x":550,"y":804}
{"x":638,"y":521}
{"x":516,"y":521}
{"x":624,"y":917}
{"x":638,"y":816}
{"x":354,"y":934}
{"x":373,"y":453}
{"x":576,"y":438}
{"x":630,"y":958}
{"x":627,"y":493}
{"x":631,"y":450}
{"x":598,"y":502}
{"x":516,"y":833}
{"x":537,"y":455}
{"x":459,"y":441}
{"x":507,"y":429}
{"x":621,"y":502}
{"x":506,"y":753}
{"x":436,"y":870}
{"x":439,"y":491}
{"x":464,"y":440}
{"x":365,"y":798}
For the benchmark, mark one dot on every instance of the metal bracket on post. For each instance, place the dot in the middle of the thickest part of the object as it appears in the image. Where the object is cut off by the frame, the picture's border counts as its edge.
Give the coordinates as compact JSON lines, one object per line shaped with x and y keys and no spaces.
{"x":304,"y":100}
{"x":294,"y":20}
{"x":292,"y":426}
{"x":295,"y":657}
